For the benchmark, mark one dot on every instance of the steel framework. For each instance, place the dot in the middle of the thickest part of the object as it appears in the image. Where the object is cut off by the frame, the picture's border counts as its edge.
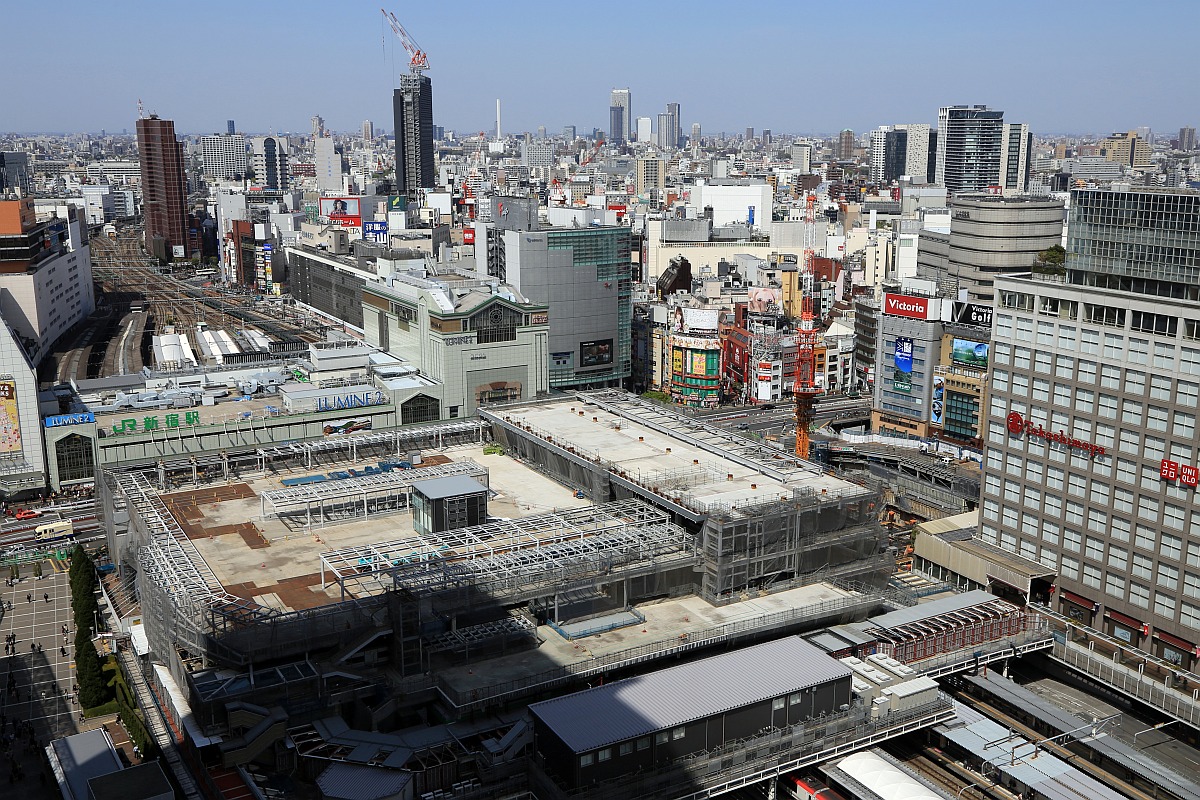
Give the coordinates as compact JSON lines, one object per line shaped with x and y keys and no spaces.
{"x":360,"y":490}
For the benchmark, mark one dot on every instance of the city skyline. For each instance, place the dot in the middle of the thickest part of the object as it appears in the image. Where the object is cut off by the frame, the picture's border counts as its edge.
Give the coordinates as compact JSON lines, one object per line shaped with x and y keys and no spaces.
{"x":1052,"y":93}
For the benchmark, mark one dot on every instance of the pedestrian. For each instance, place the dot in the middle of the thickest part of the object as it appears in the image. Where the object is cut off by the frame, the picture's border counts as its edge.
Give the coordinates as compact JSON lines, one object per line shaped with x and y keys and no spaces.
{"x":29,"y":598}
{"x":47,"y":596}
{"x":63,"y":651}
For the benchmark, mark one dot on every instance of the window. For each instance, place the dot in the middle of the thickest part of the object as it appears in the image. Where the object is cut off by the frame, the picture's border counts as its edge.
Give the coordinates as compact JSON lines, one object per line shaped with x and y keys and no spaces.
{"x":1135,"y":381}
{"x":778,"y":704}
{"x":1171,"y":547}
{"x":677,"y":734}
{"x":794,"y":699}
{"x":1160,"y":388}
{"x":1091,"y":576}
{"x":1148,"y":322}
{"x":1053,"y":505}
{"x":1084,"y":398}
{"x":1087,"y":371}
{"x":1033,"y":471}
{"x":626,"y":748}
{"x":1131,"y":412}
{"x":1155,"y":448}
{"x":1191,"y":584}
{"x":1118,"y":558}
{"x":1108,"y":406}
{"x":1143,"y":537}
{"x":1070,"y":567}
{"x":1110,"y":376}
{"x":1113,"y":345}
{"x":1089,"y":341}
{"x":604,"y":755}
{"x":1077,"y":485}
{"x":1172,"y":516}
{"x":1093,"y":548}
{"x":1000,"y":379}
{"x":1189,"y":361}
{"x":1050,"y":533}
{"x":1126,"y":471}
{"x":1099,"y":493}
{"x":1139,"y":350}
{"x":586,"y":759}
{"x":1156,"y":418}
{"x":1072,"y":540}
{"x":1064,"y":366}
{"x":1164,"y":355}
{"x":1120,"y":529}
{"x":1186,"y":393}
{"x":1054,"y":478}
{"x":1041,"y":361}
{"x":1021,"y":357}
{"x":662,"y":737}
{"x":1185,"y":425}
{"x":1122,"y":499}
{"x":643,"y":743}
{"x":1045,"y":333}
{"x":1074,"y":512}
{"x":1001,"y":353}
{"x":1142,"y":566}
{"x":1066,"y":337}
{"x":1114,"y":584}
{"x":1139,"y":595}
{"x":1190,"y":615}
{"x":1164,"y":605}
{"x":1168,"y":577}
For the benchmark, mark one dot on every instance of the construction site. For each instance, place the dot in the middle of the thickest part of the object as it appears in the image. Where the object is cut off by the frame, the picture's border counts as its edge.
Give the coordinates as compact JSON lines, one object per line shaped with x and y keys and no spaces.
{"x":409,"y":591}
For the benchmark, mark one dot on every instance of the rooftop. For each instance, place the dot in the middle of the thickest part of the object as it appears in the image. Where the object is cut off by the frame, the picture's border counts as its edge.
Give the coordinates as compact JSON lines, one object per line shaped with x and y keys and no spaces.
{"x":677,"y":695}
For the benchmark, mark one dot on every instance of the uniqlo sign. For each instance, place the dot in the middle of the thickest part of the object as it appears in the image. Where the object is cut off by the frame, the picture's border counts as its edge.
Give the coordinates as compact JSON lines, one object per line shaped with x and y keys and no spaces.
{"x":1186,"y":474}
{"x":902,"y":305}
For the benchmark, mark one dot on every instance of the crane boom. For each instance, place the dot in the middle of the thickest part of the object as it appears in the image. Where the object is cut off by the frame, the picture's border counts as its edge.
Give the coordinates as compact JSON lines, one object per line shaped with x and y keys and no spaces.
{"x":418,"y":61}
{"x":805,"y":388}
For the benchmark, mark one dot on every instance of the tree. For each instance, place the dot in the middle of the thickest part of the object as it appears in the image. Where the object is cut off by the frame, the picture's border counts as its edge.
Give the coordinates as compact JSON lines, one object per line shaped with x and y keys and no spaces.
{"x":92,"y":689}
{"x":1051,"y":261}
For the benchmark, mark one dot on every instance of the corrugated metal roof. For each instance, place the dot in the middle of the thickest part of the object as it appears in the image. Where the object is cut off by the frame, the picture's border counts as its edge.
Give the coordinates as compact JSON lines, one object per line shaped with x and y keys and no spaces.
{"x":932,"y":609}
{"x":450,"y":486}
{"x":670,"y":697}
{"x":341,"y":780}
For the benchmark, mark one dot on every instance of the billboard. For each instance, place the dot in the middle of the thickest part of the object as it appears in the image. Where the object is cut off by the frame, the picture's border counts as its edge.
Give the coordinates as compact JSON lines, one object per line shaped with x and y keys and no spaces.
{"x":902,"y":359}
{"x":938,"y":408}
{"x":694,"y":320}
{"x":10,"y":419}
{"x":376,"y":232}
{"x":468,"y":236}
{"x":397,"y":202}
{"x":342,"y":427}
{"x":973,"y":314}
{"x":970,"y":354}
{"x":902,"y":305}
{"x":341,"y":211}
{"x":596,"y":354}
{"x":765,"y":301}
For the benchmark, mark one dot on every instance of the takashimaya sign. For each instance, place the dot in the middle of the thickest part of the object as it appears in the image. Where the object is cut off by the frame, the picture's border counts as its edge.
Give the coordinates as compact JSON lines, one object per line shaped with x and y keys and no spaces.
{"x":1018,"y":425}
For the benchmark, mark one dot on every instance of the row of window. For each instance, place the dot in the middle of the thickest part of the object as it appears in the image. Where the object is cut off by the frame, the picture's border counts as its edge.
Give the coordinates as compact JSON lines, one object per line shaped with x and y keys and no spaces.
{"x":1086,"y":401}
{"x":1089,"y":340}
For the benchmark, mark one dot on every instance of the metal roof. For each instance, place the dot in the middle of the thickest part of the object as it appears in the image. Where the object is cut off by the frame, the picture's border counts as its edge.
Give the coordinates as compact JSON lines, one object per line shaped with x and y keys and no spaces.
{"x":675,"y":696}
{"x":341,"y":780}
{"x":449,"y":486}
{"x":84,"y":756}
{"x":882,"y":778}
{"x":933,"y":608}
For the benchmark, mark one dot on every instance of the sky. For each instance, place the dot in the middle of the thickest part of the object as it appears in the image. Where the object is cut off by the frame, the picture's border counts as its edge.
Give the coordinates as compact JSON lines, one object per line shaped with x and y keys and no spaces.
{"x":794,"y":67}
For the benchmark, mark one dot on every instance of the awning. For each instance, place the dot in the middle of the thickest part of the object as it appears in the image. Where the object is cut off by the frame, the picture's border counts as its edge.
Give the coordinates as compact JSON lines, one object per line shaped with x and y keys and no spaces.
{"x":137,"y":636}
{"x":1175,"y":641}
{"x":180,"y":708}
{"x":1079,"y":600}
{"x":1124,"y":619}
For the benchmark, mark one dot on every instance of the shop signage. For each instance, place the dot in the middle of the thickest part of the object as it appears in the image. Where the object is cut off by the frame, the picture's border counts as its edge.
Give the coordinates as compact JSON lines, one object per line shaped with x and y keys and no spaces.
{"x":902,"y":305}
{"x":69,"y":419}
{"x":1018,"y":425}
{"x":458,"y":340}
{"x":359,"y":400}
{"x":1184,"y":473}
{"x":151,"y":423}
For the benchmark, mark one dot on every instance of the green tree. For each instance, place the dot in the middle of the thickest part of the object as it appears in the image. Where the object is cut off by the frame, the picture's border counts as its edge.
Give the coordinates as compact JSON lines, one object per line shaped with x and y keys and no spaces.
{"x":1051,"y":261}
{"x":93,"y":690}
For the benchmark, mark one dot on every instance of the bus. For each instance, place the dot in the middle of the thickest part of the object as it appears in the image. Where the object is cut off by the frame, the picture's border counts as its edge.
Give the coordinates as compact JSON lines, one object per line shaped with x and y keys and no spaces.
{"x":54,"y":530}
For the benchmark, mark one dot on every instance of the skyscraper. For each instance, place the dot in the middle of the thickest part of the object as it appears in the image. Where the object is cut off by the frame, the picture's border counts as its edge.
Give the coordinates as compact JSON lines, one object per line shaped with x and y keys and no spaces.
{"x":616,"y":124}
{"x":695,"y":132}
{"x":318,"y":126}
{"x":621,"y":99}
{"x":676,"y":125}
{"x":1092,"y":463}
{"x":1187,"y":138}
{"x":569,"y":133}
{"x":1015,"y":161}
{"x":368,"y":130}
{"x":224,"y":155}
{"x":269,"y":160}
{"x":328,"y":163}
{"x":230,"y":128}
{"x":412,"y":104}
{"x":164,"y":190}
{"x":845,"y":145}
{"x":898,"y":150}
{"x":749,"y":135}
{"x":970,"y":148}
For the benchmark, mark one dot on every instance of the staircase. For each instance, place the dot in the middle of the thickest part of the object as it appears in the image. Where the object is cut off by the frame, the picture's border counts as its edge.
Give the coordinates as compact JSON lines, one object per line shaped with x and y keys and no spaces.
{"x":157,"y":726}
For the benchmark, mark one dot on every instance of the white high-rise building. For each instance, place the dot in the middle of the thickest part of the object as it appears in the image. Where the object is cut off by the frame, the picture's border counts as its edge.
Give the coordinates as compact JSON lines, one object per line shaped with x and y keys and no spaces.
{"x":802,"y":157}
{"x":224,"y":155}
{"x":879,"y":141}
{"x":645,"y":129}
{"x":1015,"y":158}
{"x":328,"y":164}
{"x":916,"y":158}
{"x":269,"y":160}
{"x":368,"y":130}
{"x":622,"y":99}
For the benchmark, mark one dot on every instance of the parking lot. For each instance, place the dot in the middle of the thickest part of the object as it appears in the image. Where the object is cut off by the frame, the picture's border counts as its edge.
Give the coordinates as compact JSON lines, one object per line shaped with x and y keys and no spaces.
{"x":36,"y":688}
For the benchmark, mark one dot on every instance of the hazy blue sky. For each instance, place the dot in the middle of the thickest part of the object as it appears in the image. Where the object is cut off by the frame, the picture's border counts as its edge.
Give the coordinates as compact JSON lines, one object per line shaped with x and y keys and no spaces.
{"x":790,"y":66}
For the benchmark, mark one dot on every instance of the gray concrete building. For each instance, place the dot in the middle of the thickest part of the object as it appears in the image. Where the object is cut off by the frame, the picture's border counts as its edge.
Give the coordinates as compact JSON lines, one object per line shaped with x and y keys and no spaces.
{"x":582,"y":274}
{"x":1092,"y":462}
{"x":908,"y":348}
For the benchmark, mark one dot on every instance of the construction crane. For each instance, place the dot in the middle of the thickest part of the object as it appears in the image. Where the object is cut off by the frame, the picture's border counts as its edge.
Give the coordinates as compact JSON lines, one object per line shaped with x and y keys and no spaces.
{"x":805,"y":389}
{"x":418,"y":62}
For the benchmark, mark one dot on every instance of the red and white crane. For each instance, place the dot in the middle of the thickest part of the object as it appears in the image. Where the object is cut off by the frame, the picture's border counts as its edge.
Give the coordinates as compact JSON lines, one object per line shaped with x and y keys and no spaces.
{"x":805,"y":388}
{"x":418,"y":62}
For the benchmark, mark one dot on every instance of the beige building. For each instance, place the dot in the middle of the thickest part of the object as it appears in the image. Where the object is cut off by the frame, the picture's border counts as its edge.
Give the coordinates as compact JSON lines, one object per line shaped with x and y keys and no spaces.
{"x":1127,"y":148}
{"x":651,"y":174}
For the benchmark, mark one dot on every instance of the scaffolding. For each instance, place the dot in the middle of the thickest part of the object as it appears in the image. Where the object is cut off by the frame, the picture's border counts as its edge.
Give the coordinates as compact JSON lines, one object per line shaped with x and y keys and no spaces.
{"x":360,"y":496}
{"x":515,"y":559}
{"x":360,"y":445}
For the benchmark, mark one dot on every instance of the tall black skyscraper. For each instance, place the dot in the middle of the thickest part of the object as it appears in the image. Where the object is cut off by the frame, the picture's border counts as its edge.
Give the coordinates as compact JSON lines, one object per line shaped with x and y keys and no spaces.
{"x":412,"y":104}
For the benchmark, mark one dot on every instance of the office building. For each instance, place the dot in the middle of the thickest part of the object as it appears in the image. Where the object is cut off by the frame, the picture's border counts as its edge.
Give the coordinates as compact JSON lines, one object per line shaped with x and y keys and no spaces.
{"x":1128,"y":149}
{"x":695,"y":133}
{"x":318,"y":126}
{"x":1092,"y":462}
{"x":582,"y":274}
{"x":749,"y":135}
{"x":368,"y":130}
{"x":992,"y":236}
{"x":230,"y":128}
{"x":617,"y":124}
{"x":412,"y":104}
{"x":1016,"y":161}
{"x":22,"y":452}
{"x":15,"y":176}
{"x":537,"y":153}
{"x":224,"y":156}
{"x":1187,"y":138}
{"x":907,"y":350}
{"x":164,"y":190}
{"x":906,"y":150}
{"x":970,"y":148}
{"x":329,"y":166}
{"x":45,"y":276}
{"x":623,"y":100}
{"x":645,"y":129}
{"x":569,"y":133}
{"x":269,"y":160}
{"x":802,"y":158}
{"x":668,"y":127}
{"x":766,"y":137}
{"x":844,"y":147}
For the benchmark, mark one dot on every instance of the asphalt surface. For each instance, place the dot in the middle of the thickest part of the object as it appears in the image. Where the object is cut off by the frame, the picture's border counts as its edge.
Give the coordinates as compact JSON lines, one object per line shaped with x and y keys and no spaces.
{"x":38,"y":679}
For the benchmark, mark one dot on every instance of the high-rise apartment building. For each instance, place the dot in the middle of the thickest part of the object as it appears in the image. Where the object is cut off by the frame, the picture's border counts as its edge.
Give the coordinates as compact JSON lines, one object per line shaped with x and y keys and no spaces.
{"x":645,"y":129}
{"x":328,"y":162}
{"x":1016,"y":160}
{"x":844,"y":147}
{"x":1187,"y":138}
{"x":802,"y":157}
{"x":651,"y":174}
{"x":749,"y":135}
{"x":669,"y":133}
{"x":569,"y":133}
{"x":269,"y":160}
{"x":623,"y":100}
{"x":224,"y":156}
{"x":882,"y":154}
{"x":970,"y":148}
{"x":368,"y":130}
{"x":1092,"y":461}
{"x":164,"y":190}
{"x":898,"y":150}
{"x":695,"y":132}
{"x":412,"y":105}
{"x":318,"y":126}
